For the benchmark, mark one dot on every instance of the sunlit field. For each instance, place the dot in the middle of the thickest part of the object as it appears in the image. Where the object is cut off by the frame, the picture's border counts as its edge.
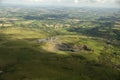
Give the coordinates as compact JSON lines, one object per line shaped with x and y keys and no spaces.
{"x":41,"y":43}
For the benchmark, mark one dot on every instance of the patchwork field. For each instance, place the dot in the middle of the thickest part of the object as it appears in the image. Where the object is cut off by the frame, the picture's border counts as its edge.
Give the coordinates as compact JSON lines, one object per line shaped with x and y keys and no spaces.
{"x":52,"y":44}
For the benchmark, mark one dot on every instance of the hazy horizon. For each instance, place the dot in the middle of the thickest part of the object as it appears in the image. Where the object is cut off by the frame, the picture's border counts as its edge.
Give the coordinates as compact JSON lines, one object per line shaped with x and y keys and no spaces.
{"x":73,"y":3}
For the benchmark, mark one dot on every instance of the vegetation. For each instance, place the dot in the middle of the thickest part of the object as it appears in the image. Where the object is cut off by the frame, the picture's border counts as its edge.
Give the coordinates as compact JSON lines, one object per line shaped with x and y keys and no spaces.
{"x":41,"y":43}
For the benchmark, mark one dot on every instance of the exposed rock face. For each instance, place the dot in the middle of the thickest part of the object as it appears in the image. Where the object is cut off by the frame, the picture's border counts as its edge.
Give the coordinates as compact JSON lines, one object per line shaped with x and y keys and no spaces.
{"x":1,"y":72}
{"x":72,"y":47}
{"x":46,"y":39}
{"x":86,"y":48}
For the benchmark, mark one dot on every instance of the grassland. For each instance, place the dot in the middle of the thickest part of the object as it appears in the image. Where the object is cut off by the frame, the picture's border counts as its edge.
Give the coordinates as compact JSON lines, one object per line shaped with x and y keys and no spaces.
{"x":23,"y":58}
{"x":38,"y":47}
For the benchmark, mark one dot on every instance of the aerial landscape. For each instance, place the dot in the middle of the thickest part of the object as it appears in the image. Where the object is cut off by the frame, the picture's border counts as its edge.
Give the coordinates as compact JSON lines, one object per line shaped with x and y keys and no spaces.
{"x":59,"y":40}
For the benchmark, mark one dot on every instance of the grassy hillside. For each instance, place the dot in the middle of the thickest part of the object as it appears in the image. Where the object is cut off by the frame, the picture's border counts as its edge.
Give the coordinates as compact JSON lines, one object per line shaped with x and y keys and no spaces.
{"x":23,"y":58}
{"x":59,"y":44}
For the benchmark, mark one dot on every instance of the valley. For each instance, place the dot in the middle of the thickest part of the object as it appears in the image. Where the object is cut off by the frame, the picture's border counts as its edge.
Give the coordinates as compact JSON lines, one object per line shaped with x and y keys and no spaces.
{"x":46,"y":43}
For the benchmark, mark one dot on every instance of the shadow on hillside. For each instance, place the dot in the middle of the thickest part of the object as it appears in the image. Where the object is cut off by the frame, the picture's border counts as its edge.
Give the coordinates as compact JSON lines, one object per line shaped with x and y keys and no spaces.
{"x":22,"y":60}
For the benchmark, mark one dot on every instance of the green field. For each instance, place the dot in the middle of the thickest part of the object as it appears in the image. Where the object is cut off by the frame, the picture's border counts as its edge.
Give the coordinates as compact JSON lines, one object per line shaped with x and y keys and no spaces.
{"x":74,"y":47}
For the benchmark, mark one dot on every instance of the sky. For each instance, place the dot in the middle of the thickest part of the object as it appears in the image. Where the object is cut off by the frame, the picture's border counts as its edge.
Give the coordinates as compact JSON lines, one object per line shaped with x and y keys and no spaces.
{"x":93,"y":3}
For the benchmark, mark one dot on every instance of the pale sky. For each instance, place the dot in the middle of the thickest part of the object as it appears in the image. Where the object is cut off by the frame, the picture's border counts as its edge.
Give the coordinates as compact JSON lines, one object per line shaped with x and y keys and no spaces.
{"x":95,"y":3}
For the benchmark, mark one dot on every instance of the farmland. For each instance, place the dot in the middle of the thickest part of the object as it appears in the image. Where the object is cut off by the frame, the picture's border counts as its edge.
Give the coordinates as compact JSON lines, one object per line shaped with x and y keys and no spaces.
{"x":46,"y":43}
